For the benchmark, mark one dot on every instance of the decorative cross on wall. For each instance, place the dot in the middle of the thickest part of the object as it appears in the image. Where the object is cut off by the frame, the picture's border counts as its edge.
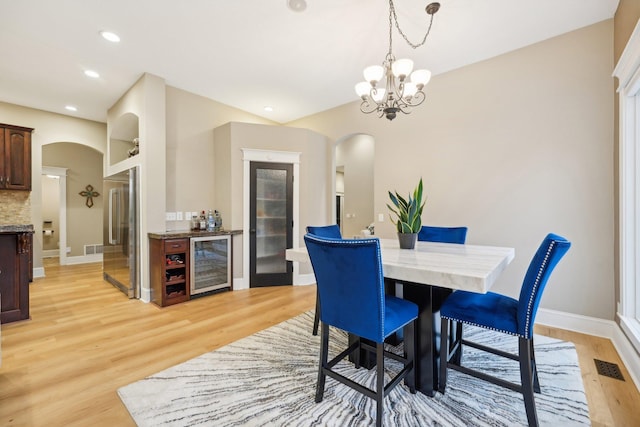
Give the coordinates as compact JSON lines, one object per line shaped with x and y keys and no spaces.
{"x":89,"y":194}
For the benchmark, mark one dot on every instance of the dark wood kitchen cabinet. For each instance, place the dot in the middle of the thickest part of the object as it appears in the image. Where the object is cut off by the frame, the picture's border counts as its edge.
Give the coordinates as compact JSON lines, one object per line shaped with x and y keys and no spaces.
{"x":15,"y":157}
{"x":14,"y":276}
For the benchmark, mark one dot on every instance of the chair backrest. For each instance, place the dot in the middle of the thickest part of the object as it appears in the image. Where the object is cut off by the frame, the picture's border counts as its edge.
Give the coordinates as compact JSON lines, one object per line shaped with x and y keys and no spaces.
{"x":332,"y":231}
{"x":551,"y":250}
{"x":350,"y":284}
{"x":443,"y":234}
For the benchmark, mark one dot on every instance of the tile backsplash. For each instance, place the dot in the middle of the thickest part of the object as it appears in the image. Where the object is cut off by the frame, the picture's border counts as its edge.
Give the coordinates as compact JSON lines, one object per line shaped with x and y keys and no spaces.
{"x":15,"y":207}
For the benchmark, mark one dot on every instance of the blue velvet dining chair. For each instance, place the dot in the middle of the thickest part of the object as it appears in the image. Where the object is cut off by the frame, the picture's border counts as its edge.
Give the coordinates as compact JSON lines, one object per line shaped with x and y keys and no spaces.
{"x":442,"y":234}
{"x":351,"y":287}
{"x":507,"y":315}
{"x":332,"y":232}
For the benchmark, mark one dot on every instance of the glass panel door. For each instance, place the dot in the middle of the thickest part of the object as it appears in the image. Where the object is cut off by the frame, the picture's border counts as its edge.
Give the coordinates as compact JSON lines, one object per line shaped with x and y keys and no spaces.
{"x":271,"y":224}
{"x":210,"y":263}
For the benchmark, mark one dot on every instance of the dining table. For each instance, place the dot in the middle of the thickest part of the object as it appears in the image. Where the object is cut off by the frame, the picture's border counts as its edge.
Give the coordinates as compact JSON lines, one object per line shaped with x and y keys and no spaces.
{"x":426,"y":275}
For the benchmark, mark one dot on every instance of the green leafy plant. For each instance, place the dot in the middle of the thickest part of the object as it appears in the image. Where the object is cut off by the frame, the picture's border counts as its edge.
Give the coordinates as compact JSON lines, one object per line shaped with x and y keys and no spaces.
{"x":408,"y":211}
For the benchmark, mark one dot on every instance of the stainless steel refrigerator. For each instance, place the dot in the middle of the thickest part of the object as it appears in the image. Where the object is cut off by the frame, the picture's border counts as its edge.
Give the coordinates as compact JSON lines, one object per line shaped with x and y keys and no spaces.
{"x":121,"y":257}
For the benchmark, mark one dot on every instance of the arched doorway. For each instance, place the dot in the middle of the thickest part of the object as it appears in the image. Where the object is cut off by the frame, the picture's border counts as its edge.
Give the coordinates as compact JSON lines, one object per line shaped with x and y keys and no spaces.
{"x":74,"y":229}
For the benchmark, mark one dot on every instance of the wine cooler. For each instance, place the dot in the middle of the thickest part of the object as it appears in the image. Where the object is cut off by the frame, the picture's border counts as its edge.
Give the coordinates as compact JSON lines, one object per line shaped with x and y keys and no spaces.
{"x":210,"y":263}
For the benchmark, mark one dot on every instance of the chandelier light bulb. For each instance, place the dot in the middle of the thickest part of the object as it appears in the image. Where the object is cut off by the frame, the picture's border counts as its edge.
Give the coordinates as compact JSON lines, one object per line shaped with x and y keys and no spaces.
{"x":402,"y":68}
{"x":421,"y":78}
{"x":363,"y":89}
{"x":410,"y":89}
{"x":297,"y":5}
{"x":373,"y":74}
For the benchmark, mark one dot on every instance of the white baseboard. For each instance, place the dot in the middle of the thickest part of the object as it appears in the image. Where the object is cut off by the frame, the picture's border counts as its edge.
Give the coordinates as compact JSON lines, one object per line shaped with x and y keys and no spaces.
{"x":83,"y":259}
{"x":304,"y":279}
{"x":38,"y":272}
{"x":50,"y":253}
{"x":239,"y":283}
{"x":575,"y":322}
{"x":598,"y":327}
{"x":145,"y":295}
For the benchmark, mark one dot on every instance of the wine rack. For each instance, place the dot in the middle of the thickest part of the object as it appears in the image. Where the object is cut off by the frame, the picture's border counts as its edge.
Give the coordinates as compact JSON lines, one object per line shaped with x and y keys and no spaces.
{"x":169,"y":271}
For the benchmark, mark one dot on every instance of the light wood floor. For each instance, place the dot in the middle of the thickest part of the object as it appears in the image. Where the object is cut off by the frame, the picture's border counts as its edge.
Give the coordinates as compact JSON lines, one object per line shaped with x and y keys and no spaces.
{"x":85,"y":339}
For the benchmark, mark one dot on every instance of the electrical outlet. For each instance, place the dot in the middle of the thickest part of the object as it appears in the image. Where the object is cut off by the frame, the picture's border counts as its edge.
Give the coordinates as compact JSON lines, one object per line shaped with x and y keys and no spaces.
{"x":179,"y":216}
{"x":380,"y":217}
{"x":171,"y":216}
{"x":188,"y":215}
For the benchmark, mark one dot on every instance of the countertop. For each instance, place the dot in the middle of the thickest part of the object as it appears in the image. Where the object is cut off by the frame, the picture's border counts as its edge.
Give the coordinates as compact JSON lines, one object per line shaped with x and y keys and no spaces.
{"x":16,"y":228}
{"x":182,"y":234}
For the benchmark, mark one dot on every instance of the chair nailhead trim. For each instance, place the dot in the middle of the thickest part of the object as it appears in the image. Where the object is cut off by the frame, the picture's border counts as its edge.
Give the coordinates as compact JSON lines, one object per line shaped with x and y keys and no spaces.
{"x":485,"y":327}
{"x":542,"y":268}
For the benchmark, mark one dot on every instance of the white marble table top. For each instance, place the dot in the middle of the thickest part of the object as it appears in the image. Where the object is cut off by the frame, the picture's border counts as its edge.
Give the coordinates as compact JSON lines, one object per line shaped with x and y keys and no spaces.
{"x":469,"y":267}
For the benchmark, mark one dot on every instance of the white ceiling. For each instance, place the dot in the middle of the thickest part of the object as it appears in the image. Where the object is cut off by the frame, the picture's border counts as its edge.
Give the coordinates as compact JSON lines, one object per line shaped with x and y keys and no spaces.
{"x":252,"y":53}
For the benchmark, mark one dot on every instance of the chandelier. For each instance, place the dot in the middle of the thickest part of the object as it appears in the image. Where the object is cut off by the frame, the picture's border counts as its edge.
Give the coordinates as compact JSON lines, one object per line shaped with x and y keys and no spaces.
{"x":399,"y":93}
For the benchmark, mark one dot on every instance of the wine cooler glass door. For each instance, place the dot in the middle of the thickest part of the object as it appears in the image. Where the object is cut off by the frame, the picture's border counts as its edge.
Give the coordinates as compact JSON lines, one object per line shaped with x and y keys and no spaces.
{"x":210,"y":263}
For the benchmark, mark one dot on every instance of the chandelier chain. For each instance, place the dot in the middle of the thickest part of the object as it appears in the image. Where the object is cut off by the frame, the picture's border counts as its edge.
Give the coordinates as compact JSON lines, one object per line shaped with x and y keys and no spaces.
{"x":394,"y":18}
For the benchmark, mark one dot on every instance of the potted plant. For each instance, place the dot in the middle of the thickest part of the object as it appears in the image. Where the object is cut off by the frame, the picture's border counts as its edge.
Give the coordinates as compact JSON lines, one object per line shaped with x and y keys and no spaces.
{"x":408,"y":212}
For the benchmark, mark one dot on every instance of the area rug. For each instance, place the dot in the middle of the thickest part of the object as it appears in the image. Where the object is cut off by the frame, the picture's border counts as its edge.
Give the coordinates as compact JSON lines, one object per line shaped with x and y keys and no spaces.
{"x":269,"y":379}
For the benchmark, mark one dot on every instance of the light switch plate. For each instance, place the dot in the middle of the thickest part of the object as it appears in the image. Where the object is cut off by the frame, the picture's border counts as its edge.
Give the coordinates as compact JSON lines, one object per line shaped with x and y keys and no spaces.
{"x":179,"y":216}
{"x":380,"y":217}
{"x":171,"y":216}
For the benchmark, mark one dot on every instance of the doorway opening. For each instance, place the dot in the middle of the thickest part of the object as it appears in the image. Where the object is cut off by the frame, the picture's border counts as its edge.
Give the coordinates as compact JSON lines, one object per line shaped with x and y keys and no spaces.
{"x":354,"y":184}
{"x":54,"y":215}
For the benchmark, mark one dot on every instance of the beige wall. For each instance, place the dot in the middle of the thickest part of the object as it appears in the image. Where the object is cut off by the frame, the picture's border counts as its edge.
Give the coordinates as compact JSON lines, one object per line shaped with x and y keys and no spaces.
{"x":315,"y":188}
{"x":49,"y":128}
{"x":512,"y":147}
{"x":191,"y":120}
{"x":84,"y":167}
{"x":145,"y":99}
{"x":625,"y":20}
{"x":316,"y":178}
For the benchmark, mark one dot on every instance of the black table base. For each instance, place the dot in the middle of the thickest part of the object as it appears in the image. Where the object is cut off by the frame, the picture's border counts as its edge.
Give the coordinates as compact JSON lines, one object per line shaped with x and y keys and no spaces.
{"x":428,"y":299}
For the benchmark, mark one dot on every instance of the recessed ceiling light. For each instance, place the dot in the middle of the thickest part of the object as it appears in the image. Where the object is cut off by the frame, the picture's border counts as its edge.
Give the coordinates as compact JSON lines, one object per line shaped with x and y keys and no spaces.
{"x":108,"y":35}
{"x":71,"y":108}
{"x":297,"y":5}
{"x":91,"y":73}
{"x":268,"y":108}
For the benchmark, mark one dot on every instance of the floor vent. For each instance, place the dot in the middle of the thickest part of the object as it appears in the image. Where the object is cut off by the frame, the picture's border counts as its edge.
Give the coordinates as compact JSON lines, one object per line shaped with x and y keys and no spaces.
{"x":608,"y":369}
{"x":92,"y":249}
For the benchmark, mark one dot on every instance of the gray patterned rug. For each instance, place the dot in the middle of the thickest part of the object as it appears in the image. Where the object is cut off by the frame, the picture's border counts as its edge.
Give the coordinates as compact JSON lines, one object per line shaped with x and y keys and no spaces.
{"x":269,"y":378}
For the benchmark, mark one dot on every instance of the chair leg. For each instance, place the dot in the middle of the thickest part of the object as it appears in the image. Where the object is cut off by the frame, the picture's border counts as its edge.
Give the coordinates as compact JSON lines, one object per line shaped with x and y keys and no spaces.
{"x":457,"y":357}
{"x":316,"y":317}
{"x":379,"y":383}
{"x":526,"y":376}
{"x":324,"y":355}
{"x":444,"y":354}
{"x":534,"y":366}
